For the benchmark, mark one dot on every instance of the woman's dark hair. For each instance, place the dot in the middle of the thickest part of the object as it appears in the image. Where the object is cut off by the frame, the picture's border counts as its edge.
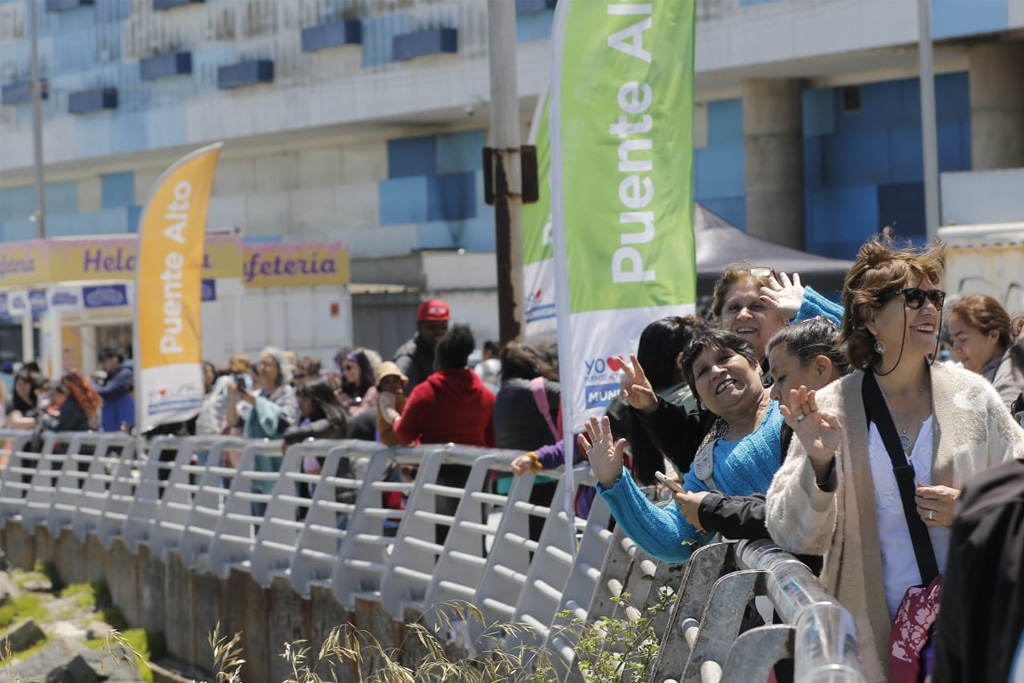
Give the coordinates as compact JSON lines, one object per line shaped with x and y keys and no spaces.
{"x":660,"y":345}
{"x":985,"y":314}
{"x":325,"y":403}
{"x":809,"y":339}
{"x":366,"y":375}
{"x":714,"y":339}
{"x":525,"y":362}
{"x":454,"y":348}
{"x":36,"y":383}
{"x":880,"y":267}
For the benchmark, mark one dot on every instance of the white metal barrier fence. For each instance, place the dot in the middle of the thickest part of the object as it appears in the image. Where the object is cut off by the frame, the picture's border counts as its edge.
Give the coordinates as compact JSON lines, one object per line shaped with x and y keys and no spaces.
{"x":224,"y":503}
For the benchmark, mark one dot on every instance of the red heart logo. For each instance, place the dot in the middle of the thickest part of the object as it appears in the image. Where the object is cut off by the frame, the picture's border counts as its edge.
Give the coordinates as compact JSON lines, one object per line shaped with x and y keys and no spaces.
{"x":163,"y":392}
{"x":539,"y":292}
{"x":613,"y":363}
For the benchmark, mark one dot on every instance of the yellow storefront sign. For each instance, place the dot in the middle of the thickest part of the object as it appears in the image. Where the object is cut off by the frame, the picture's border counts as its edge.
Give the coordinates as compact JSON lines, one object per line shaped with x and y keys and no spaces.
{"x":291,"y":265}
{"x":25,"y":263}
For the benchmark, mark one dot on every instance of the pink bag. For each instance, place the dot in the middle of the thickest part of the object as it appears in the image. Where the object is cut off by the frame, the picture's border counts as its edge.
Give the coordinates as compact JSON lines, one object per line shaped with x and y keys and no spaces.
{"x":911,"y":638}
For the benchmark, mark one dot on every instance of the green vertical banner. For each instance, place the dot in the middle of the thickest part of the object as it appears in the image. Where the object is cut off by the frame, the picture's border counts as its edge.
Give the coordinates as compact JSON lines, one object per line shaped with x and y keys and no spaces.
{"x":538,"y":254}
{"x":621,"y":121}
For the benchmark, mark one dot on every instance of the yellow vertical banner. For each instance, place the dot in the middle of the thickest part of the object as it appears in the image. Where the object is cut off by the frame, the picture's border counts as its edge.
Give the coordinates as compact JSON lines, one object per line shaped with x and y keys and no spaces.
{"x":168,"y":284}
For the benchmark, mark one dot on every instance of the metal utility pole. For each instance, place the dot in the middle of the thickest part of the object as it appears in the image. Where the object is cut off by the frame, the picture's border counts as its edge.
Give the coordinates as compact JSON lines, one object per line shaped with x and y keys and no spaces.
{"x":37,"y":125}
{"x":929,"y":135}
{"x":506,"y":167}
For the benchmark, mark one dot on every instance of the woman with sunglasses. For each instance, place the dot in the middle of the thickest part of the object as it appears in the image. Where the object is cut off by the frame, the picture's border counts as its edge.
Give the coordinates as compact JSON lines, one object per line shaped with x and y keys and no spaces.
{"x":836,"y":493}
{"x":358,"y":385}
{"x":982,"y":333}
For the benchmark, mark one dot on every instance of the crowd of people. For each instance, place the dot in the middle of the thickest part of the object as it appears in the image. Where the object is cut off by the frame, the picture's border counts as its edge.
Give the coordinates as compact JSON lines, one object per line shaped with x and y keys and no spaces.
{"x":851,"y":433}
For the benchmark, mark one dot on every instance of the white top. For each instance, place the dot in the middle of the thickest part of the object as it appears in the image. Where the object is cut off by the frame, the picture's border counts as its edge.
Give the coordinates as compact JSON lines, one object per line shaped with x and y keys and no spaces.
{"x":899,"y":566}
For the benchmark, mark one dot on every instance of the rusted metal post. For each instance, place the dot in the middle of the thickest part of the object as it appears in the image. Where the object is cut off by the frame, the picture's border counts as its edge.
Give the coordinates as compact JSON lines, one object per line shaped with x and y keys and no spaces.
{"x":506,"y":168}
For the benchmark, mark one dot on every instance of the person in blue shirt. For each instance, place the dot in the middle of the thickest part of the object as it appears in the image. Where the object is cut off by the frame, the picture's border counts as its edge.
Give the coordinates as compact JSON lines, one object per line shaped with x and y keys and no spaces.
{"x":116,"y":392}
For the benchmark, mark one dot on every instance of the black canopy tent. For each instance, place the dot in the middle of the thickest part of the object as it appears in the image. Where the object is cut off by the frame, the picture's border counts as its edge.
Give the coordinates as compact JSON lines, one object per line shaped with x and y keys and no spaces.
{"x":720,"y":243}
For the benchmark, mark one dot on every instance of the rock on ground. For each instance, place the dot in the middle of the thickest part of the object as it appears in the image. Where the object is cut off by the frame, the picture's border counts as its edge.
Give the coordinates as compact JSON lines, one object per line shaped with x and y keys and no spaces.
{"x":21,"y":636}
{"x":67,"y":661}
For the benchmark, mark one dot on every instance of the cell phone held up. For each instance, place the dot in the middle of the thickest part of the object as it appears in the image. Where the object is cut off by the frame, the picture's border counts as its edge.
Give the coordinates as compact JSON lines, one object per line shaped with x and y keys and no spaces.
{"x":240,"y":383}
{"x":669,"y":483}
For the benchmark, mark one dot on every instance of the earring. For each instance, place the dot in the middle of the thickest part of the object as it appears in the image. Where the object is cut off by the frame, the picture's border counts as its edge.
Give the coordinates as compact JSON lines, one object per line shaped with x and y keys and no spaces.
{"x":879,"y":347}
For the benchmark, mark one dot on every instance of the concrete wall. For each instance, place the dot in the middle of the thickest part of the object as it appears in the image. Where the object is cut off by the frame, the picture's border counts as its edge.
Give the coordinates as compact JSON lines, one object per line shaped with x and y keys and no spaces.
{"x":163,"y":595}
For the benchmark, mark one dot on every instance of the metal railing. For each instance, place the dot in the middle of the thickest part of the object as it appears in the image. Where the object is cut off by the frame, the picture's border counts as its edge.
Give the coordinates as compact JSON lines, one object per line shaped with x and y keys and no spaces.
{"x":224,"y":503}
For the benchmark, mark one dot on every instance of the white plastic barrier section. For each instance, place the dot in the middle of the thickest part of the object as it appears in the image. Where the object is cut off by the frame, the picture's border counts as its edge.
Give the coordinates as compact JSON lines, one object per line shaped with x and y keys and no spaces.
{"x":332,"y":508}
{"x":225,"y":502}
{"x":85,"y":472}
{"x":417,"y":559}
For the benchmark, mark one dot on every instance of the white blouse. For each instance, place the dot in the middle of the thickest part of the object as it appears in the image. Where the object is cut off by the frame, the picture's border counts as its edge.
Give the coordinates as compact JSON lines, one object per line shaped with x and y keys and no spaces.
{"x":899,"y":566}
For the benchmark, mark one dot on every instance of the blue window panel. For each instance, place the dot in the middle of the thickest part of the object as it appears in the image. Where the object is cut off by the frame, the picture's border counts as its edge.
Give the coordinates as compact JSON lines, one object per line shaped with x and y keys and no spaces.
{"x":412,"y":157}
{"x":110,"y":11}
{"x":17,"y":203}
{"x":534,"y":6}
{"x":952,"y":154}
{"x":95,"y":99}
{"x":965,"y":145}
{"x":725,"y":122}
{"x":732,"y":209}
{"x":718,"y":172}
{"x":451,"y":197}
{"x":458,"y":152}
{"x":17,"y":231}
{"x":263,"y":239}
{"x":165,"y":127}
{"x":422,"y":43}
{"x":378,"y":37}
{"x":845,"y":216}
{"x":133,"y":214}
{"x":92,"y":135}
{"x":117,"y":189}
{"x":819,"y":112}
{"x":403,"y":200}
{"x":952,"y":98}
{"x":65,"y":5}
{"x":160,"y":5}
{"x":21,"y":92}
{"x":333,"y":34}
{"x":813,"y":165}
{"x":62,"y":197}
{"x":161,"y":66}
{"x":905,"y":156}
{"x":128,"y":131}
{"x":534,"y":27}
{"x":439,"y":235}
{"x":855,"y":159}
{"x":245,"y":73}
{"x":966,"y":17}
{"x":478,"y":234}
{"x":881,"y":107}
{"x":901,"y":206}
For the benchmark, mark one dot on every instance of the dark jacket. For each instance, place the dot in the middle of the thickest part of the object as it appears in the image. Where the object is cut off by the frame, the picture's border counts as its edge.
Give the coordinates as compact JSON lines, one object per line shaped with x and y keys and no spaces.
{"x":981,"y":614}
{"x":416,"y":361}
{"x":677,"y":432}
{"x":518,"y":424}
{"x":452,"y":405}
{"x":72,"y":417}
{"x":320,"y":428}
{"x":118,"y":404}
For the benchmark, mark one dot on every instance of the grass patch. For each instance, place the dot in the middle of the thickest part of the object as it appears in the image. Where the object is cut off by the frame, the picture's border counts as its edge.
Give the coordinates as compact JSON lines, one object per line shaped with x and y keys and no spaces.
{"x":49,"y":570}
{"x":22,"y":607}
{"x":25,"y":654}
{"x":146,"y":647}
{"x":88,"y":596}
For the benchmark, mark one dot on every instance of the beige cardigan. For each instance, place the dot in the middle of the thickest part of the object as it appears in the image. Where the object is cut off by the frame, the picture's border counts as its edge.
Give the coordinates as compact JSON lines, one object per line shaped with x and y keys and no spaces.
{"x":972,"y":431}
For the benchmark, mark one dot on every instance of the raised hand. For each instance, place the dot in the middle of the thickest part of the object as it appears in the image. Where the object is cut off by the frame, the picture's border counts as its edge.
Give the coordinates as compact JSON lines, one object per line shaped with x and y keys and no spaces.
{"x":819,"y":432}
{"x":784,"y":295}
{"x":636,"y":388}
{"x":603,"y":451}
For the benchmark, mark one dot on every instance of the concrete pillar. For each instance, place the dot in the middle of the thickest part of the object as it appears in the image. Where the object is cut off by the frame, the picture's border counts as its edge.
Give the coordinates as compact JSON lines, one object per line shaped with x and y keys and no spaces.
{"x":997,"y":105}
{"x":773,"y":159}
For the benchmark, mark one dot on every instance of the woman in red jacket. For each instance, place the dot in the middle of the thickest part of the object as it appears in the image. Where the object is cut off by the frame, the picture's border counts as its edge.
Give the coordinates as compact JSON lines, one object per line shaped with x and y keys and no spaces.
{"x":451,"y":405}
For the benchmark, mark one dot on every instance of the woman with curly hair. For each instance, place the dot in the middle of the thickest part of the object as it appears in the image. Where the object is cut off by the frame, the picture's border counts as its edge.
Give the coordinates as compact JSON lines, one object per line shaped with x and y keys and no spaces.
{"x":881,"y":455}
{"x":80,"y":408}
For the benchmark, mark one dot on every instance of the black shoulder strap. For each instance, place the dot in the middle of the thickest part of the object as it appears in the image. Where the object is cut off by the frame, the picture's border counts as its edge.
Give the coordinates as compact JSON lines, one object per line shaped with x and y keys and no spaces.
{"x":877,"y":412}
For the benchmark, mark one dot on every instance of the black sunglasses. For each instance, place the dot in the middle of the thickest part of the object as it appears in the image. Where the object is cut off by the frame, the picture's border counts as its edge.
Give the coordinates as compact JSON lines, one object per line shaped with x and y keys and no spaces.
{"x":914,"y":297}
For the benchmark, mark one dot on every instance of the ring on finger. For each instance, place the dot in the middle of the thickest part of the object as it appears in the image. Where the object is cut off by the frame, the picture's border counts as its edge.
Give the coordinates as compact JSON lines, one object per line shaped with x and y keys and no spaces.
{"x":800,"y":417}
{"x":931,"y":515}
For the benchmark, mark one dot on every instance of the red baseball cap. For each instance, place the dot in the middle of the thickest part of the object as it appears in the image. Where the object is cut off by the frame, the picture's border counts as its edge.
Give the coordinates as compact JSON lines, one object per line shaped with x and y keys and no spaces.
{"x":435,"y":309}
